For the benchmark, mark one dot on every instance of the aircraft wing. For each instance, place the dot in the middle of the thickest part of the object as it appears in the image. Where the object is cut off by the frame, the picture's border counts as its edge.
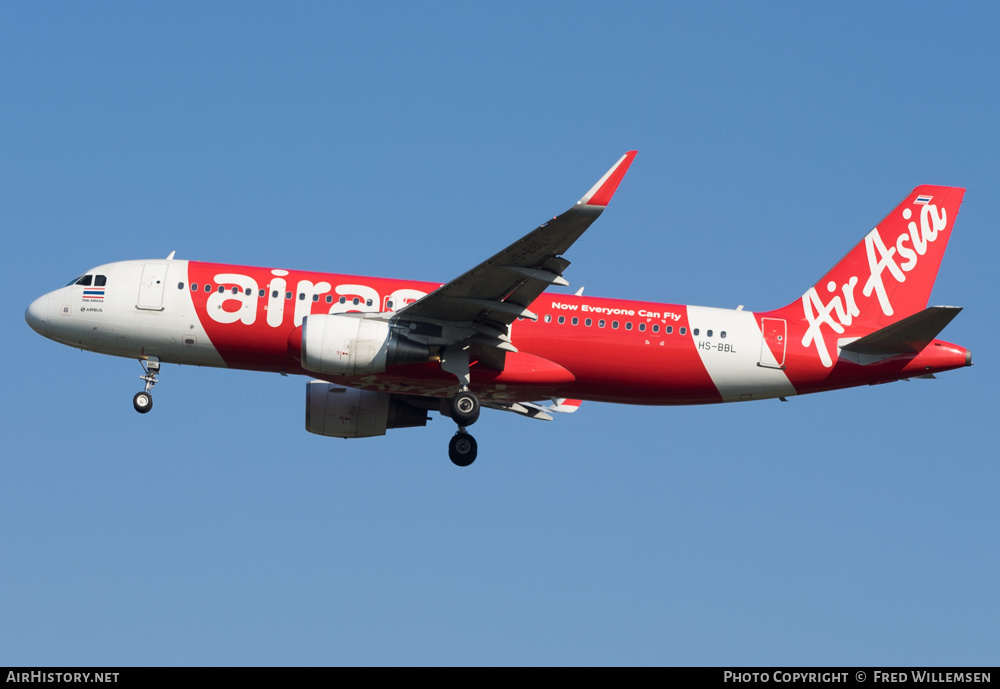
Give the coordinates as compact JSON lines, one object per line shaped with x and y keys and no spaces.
{"x":492,"y":295}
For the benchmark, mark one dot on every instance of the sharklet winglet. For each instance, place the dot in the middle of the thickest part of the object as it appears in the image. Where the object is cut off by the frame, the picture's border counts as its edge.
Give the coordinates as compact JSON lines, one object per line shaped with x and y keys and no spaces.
{"x":600,"y":194}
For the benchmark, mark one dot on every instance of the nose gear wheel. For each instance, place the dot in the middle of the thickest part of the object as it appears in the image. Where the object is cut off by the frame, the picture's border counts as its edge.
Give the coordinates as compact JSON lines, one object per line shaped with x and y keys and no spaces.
{"x":143,"y":401}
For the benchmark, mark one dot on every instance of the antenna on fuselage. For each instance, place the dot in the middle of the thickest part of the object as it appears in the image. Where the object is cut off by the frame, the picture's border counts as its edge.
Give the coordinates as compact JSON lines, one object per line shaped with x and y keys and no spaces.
{"x":171,"y":256}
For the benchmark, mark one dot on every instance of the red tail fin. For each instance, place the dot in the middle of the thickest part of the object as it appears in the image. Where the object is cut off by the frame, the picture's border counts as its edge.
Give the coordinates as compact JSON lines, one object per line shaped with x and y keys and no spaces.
{"x":890,"y":273}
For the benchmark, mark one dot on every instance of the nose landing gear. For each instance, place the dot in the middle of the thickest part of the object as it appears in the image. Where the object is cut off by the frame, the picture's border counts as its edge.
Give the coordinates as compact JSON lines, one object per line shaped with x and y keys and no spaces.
{"x":143,"y":401}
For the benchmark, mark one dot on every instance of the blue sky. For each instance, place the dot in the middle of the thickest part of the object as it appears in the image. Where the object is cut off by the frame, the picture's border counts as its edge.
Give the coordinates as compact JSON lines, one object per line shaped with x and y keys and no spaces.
{"x":853,"y":528}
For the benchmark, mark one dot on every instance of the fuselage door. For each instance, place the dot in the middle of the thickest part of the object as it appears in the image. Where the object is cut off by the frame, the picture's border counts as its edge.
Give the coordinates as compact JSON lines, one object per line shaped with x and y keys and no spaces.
{"x":154,"y":281}
{"x":772,"y":348}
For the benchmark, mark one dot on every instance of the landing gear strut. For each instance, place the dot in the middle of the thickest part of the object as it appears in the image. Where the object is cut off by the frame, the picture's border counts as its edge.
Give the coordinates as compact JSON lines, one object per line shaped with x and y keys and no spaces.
{"x":464,"y":408}
{"x":143,"y":401}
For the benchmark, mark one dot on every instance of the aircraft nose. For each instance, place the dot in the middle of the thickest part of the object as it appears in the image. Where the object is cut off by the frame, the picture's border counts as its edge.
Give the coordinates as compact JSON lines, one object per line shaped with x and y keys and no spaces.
{"x":37,"y":314}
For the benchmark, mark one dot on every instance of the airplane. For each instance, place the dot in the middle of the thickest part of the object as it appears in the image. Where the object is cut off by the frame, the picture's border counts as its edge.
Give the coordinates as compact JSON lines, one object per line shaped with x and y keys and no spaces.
{"x":383,"y":353}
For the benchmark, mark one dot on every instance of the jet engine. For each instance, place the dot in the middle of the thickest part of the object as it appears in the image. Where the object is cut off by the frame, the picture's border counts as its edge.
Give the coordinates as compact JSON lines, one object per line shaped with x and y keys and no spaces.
{"x":342,"y":412}
{"x":348,"y":346}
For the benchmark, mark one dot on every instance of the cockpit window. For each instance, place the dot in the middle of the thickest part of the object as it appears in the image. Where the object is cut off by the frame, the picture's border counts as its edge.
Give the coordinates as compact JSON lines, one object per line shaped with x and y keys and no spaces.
{"x":100,"y":281}
{"x":86,"y":280}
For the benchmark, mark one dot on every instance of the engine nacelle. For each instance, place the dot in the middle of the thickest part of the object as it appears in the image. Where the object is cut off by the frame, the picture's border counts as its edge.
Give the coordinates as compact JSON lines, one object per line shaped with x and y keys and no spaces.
{"x":342,"y":412}
{"x":349,"y":346}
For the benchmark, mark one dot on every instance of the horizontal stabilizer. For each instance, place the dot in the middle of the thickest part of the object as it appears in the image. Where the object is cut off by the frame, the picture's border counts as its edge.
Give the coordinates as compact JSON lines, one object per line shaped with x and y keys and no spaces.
{"x":907,"y":336}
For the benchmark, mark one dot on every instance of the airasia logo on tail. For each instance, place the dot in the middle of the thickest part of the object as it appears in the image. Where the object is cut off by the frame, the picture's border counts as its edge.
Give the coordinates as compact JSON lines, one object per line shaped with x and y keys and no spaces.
{"x":897,"y":259}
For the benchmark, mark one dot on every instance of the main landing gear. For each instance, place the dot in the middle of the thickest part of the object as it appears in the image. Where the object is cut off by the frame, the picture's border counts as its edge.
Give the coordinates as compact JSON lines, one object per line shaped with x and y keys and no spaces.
{"x":462,"y":448}
{"x":464,"y":407}
{"x":143,"y":401}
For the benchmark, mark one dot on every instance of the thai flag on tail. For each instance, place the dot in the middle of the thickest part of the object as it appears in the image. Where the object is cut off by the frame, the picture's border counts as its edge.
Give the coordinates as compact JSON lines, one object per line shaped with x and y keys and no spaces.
{"x":922,"y":200}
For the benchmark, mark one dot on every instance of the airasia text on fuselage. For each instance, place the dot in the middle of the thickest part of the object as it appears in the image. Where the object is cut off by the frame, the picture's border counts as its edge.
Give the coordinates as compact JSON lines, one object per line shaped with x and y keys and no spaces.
{"x":239,"y":299}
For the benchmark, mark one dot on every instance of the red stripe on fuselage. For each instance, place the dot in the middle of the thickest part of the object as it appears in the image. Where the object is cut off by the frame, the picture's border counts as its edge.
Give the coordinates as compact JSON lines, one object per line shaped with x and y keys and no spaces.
{"x":606,"y":363}
{"x":619,"y":364}
{"x":251,"y":331}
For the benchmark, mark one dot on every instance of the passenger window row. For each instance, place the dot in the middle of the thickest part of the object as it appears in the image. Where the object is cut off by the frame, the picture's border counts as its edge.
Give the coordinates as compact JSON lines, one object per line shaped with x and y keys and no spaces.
{"x":274,"y":294}
{"x":655,"y":327}
{"x":588,"y":322}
